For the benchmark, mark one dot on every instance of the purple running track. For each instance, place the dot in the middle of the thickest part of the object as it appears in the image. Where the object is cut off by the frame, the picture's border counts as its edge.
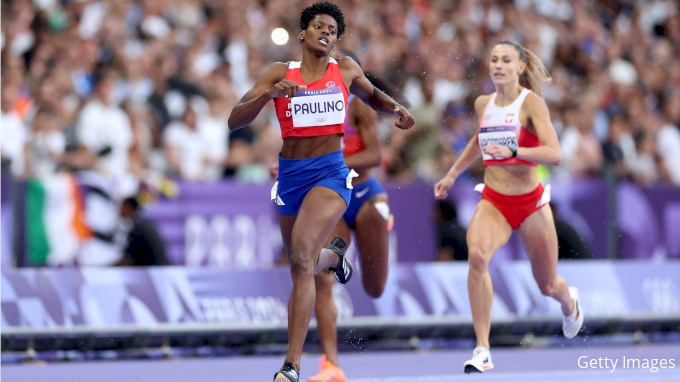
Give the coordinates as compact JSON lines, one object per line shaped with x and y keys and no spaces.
{"x":512,"y":364}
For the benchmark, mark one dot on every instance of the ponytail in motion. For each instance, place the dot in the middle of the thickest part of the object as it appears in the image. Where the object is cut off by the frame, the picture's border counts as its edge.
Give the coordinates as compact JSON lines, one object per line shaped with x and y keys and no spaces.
{"x":535,"y":75}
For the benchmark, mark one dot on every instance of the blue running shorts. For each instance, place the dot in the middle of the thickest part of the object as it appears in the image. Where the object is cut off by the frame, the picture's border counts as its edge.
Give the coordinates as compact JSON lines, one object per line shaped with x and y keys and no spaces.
{"x":360,"y":194}
{"x":298,"y":176}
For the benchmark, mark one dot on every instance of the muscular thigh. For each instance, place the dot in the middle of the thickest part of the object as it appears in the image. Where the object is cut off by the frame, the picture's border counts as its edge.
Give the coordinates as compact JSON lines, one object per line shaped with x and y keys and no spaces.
{"x":287,"y":222}
{"x":319,"y":213}
{"x":539,"y":240}
{"x":488,"y":231}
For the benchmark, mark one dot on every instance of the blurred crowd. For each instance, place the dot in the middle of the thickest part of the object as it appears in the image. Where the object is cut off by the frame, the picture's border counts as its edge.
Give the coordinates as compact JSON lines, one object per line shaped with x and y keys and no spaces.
{"x":144,"y":88}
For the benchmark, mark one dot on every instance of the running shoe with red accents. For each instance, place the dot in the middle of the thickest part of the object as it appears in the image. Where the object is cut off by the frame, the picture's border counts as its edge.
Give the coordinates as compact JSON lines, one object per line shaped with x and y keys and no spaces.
{"x":329,"y":372}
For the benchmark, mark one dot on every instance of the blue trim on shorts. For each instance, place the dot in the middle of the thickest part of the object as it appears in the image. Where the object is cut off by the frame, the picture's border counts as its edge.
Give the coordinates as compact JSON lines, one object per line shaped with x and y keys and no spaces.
{"x":298,"y":176}
{"x":366,"y":189}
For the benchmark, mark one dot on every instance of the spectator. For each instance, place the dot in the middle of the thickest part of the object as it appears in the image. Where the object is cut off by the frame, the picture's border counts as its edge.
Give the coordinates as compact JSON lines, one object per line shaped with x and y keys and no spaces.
{"x":667,"y":147}
{"x":581,"y":151}
{"x":423,"y":138}
{"x":645,"y":170}
{"x":185,"y":148}
{"x":570,"y":244}
{"x":619,"y":148}
{"x":13,"y":131}
{"x":212,"y":126}
{"x":143,"y":245}
{"x":451,"y":236}
{"x":45,"y":145}
{"x":142,"y":150}
{"x":165,"y":52}
{"x":104,"y":131}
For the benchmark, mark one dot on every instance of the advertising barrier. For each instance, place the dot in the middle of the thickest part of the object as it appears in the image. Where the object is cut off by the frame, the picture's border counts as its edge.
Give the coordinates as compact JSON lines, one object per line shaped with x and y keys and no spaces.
{"x":230,"y":225}
{"x":114,"y":297}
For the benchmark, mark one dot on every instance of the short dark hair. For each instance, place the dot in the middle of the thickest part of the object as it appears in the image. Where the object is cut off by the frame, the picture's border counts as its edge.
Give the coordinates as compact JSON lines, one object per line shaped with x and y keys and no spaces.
{"x":323,"y":8}
{"x":102,"y":75}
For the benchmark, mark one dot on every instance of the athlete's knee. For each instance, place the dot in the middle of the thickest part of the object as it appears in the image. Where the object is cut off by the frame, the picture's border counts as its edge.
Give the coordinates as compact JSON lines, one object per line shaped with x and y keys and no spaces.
{"x":374,"y":289}
{"x":478,"y":260}
{"x":548,"y":288}
{"x":324,"y":281}
{"x":301,"y":263}
{"x":374,"y":283}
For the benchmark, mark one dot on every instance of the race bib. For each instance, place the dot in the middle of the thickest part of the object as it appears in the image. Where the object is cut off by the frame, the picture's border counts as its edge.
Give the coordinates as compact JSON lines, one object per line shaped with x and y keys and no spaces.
{"x":497,"y":135}
{"x":317,"y":107}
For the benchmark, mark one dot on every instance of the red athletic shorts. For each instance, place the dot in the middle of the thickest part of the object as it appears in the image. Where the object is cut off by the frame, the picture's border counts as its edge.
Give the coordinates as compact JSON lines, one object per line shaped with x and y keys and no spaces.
{"x":517,"y":208}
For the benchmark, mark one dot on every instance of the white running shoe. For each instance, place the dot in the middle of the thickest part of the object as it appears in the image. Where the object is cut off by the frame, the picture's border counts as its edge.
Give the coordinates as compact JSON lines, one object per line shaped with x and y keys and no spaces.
{"x":572,"y":323}
{"x":480,"y":361}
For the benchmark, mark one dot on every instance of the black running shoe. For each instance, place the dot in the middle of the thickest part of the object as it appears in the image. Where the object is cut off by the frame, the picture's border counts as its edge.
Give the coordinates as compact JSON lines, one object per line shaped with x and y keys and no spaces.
{"x":343,"y":271}
{"x":287,"y":374}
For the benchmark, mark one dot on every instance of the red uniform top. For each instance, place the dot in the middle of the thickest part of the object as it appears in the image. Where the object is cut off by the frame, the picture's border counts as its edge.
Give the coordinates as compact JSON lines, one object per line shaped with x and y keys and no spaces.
{"x":501,"y":126}
{"x":318,"y":110}
{"x":351,"y":141}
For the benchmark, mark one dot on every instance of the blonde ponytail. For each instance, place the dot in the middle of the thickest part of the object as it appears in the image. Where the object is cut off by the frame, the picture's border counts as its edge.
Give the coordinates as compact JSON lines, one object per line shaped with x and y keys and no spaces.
{"x":535,"y":75}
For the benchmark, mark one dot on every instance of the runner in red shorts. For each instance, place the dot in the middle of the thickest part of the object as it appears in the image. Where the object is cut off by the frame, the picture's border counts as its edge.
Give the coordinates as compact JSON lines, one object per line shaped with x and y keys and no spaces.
{"x":515,"y":134}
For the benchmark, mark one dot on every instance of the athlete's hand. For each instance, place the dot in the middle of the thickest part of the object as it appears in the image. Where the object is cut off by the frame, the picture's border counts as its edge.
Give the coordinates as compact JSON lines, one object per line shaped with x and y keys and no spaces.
{"x":441,"y":189}
{"x":285,"y":88}
{"x":405,"y":120}
{"x":498,"y":152}
{"x":274,"y":171}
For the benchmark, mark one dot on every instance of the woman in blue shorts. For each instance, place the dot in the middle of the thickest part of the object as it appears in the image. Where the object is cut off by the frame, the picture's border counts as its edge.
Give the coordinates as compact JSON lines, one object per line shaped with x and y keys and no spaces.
{"x":314,"y":184}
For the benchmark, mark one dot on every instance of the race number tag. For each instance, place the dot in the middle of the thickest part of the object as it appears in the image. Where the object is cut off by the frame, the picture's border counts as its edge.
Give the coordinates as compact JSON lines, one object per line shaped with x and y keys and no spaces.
{"x":317,"y":107}
{"x":497,"y":135}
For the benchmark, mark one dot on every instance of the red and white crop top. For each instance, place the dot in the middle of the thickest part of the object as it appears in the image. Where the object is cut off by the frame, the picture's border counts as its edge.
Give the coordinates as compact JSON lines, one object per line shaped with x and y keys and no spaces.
{"x":501,"y":126}
{"x":318,"y":110}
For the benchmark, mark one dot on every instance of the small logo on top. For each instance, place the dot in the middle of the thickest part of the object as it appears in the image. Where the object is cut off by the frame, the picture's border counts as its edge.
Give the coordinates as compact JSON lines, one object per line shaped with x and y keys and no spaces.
{"x":330,"y":84}
{"x":509,"y":117}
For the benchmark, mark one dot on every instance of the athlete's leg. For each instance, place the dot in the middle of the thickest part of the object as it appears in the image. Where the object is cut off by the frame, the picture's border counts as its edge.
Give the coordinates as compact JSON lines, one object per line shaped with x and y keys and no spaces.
{"x":287,"y":222}
{"x":321,"y":210}
{"x":487,"y":232}
{"x":539,"y":240}
{"x":372,"y":239}
{"x":326,"y":312}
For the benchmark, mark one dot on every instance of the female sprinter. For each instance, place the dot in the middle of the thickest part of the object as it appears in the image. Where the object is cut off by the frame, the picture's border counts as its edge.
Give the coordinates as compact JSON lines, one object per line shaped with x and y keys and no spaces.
{"x":515,"y":134}
{"x":368,"y":215}
{"x":314,"y":184}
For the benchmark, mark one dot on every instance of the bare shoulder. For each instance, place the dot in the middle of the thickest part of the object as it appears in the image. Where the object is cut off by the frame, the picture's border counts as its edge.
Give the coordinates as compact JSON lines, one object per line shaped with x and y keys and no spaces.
{"x":278,"y":69}
{"x":347,"y":64}
{"x":534,"y":104}
{"x":481,"y":102}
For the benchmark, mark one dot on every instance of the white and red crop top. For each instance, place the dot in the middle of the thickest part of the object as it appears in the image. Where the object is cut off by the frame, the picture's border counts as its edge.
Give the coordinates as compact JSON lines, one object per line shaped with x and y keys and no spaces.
{"x":318,"y":110}
{"x":501,"y":126}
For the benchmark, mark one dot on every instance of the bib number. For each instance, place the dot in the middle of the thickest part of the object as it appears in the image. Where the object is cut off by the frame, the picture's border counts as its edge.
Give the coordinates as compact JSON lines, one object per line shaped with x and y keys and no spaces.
{"x":499,"y":135}
{"x":317,"y":107}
